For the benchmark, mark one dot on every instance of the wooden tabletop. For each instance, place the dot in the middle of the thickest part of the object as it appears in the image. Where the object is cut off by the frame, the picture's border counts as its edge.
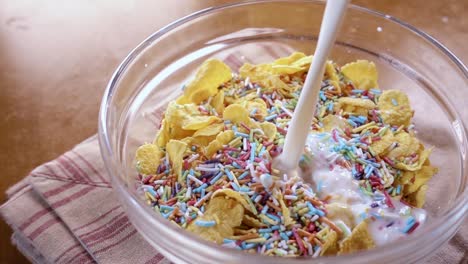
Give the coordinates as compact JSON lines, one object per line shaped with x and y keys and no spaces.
{"x":56,"y":57}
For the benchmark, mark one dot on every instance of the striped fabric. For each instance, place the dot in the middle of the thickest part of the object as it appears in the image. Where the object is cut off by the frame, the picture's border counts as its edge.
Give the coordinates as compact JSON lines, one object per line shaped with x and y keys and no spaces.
{"x":66,"y":212}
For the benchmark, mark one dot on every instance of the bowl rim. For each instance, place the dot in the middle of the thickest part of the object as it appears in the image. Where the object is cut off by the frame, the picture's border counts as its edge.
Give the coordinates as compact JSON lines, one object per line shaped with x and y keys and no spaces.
{"x":108,"y":155}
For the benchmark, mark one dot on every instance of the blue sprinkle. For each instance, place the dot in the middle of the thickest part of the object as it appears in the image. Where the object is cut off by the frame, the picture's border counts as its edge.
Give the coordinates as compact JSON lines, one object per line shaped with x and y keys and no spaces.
{"x":322,"y":96}
{"x":274,"y":217}
{"x":151,"y":191}
{"x":234,"y":128}
{"x":240,"y":134}
{"x":357,"y":91}
{"x":237,"y":166}
{"x":216,"y":178}
{"x":227,"y":122}
{"x":252,"y":151}
{"x":265,"y":230}
{"x":266,"y":235}
{"x":351,"y":122}
{"x":243,"y":175}
{"x":244,"y":189}
{"x":394,"y":102}
{"x":249,"y":245}
{"x":288,"y":233}
{"x":265,"y":209}
{"x":166,"y":215}
{"x":253,"y":112}
{"x":330,"y":107}
{"x":319,"y":185}
{"x":375,"y":91}
{"x":203,"y":186}
{"x":202,"y":193}
{"x":226,"y":240}
{"x":284,"y":236}
{"x":229,"y":174}
{"x":235,"y":186}
{"x":398,"y":190}
{"x":165,"y":207}
{"x":275,"y":228}
{"x":203,"y":223}
{"x":268,"y":118}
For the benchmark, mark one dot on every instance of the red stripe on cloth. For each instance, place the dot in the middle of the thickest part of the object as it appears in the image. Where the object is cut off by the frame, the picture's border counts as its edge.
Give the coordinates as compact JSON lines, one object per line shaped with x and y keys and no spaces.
{"x":78,"y":168}
{"x":55,"y":205}
{"x":35,"y":217}
{"x":65,"y":167}
{"x":58,"y":190}
{"x":154,"y":260}
{"x":52,"y":172}
{"x":103,"y":226}
{"x":90,"y":166}
{"x":107,"y":233}
{"x":72,"y":197}
{"x":69,"y":249}
{"x":95,"y":220}
{"x":82,"y":256}
{"x":43,"y":227}
{"x":105,"y":249}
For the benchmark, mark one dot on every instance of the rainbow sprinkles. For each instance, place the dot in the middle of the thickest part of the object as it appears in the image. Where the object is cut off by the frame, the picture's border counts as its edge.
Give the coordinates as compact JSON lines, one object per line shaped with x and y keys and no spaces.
{"x":364,"y":173}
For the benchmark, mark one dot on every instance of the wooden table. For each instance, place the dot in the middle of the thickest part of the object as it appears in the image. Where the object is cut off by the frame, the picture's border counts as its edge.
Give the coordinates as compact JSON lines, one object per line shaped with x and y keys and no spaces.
{"x":56,"y":57}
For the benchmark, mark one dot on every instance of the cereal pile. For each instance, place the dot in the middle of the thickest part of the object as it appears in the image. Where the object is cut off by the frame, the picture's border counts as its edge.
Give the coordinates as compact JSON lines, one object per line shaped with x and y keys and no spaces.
{"x":209,"y":169}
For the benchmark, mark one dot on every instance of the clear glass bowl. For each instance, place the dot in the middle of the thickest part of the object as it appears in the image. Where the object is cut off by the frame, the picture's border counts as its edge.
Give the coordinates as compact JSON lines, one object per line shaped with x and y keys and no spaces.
{"x":406,"y":58}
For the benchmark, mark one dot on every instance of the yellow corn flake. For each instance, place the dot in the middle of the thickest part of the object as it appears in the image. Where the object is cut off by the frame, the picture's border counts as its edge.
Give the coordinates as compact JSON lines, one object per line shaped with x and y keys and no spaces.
{"x":148,"y":157}
{"x":295,"y":56}
{"x":252,"y":222}
{"x":395,"y":108}
{"x":356,"y":106}
{"x":162,"y":136}
{"x":417,"y":198}
{"x":227,"y":213}
{"x":362,"y":73}
{"x":421,"y":177}
{"x":423,"y":156}
{"x":338,"y":211}
{"x":237,"y":115}
{"x":384,"y":143}
{"x":331,"y":73}
{"x":211,"y":74}
{"x":218,"y":102}
{"x":285,"y":211}
{"x":406,"y":145}
{"x":257,"y":105}
{"x":182,"y":121}
{"x":236,"y":196}
{"x":176,"y":150}
{"x":360,"y":239}
{"x":211,"y":130}
{"x":269,"y":129}
{"x":330,"y":238}
{"x":333,"y":121}
{"x":221,"y":139}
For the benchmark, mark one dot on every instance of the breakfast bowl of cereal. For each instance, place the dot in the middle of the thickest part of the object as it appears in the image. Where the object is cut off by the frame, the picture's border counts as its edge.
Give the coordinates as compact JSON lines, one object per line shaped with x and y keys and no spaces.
{"x":194,"y":117}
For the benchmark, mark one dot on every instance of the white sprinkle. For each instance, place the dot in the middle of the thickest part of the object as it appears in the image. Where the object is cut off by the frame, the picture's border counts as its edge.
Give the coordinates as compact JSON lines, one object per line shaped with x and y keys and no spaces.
{"x":195,"y":179}
{"x":244,"y":144}
{"x":316,"y":253}
{"x":266,"y":180}
{"x":194,"y":157}
{"x":445,"y":19}
{"x":258,"y":198}
{"x":189,"y":192}
{"x":379,"y":29}
{"x":314,"y":218}
{"x":290,"y":197}
{"x":203,"y":199}
{"x":207,"y":169}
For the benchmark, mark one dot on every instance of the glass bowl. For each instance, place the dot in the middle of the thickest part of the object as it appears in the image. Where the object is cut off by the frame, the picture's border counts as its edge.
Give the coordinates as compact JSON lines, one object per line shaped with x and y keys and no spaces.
{"x":406,"y":58}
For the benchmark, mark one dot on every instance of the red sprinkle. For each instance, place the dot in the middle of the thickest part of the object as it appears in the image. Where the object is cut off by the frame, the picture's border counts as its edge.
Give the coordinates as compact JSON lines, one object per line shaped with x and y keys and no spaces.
{"x":388,"y":200}
{"x":413,"y":227}
{"x":299,"y":242}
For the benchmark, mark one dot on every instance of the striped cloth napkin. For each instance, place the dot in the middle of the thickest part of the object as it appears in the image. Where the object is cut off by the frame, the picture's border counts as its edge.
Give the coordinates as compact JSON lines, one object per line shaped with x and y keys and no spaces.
{"x":66,"y":212}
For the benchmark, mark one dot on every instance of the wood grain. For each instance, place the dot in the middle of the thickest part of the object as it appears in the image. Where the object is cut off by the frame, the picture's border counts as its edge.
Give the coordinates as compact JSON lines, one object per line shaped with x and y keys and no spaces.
{"x":56,"y":57}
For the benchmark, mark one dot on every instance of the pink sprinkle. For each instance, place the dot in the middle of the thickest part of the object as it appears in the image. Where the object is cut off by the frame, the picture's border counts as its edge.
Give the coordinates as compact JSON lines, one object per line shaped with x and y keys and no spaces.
{"x":388,"y":200}
{"x":299,"y":242}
